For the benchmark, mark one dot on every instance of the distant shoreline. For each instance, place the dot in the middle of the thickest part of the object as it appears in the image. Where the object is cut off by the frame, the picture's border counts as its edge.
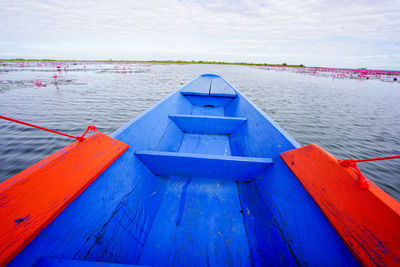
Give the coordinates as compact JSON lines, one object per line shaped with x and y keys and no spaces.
{"x":161,"y":61}
{"x":283,"y":65}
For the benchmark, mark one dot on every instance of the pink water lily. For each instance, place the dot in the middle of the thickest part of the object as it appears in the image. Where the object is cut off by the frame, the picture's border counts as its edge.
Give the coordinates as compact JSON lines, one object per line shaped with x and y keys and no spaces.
{"x":38,"y":83}
{"x":339,"y":73}
{"x":54,"y":76}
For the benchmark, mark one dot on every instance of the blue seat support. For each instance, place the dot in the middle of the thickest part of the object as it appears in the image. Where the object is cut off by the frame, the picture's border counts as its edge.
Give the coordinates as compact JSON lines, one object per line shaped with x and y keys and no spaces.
{"x":205,"y":166}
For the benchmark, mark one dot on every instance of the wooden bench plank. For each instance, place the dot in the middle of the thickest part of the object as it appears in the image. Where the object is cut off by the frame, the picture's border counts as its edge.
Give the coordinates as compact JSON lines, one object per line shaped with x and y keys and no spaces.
{"x":367,"y":219}
{"x":202,"y":165}
{"x":30,"y":200}
{"x":209,"y":85}
{"x":199,"y":86}
{"x":220,"y":87}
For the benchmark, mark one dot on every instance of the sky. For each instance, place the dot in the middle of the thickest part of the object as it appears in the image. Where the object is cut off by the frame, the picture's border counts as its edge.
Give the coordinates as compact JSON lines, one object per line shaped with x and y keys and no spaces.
{"x":314,"y":33}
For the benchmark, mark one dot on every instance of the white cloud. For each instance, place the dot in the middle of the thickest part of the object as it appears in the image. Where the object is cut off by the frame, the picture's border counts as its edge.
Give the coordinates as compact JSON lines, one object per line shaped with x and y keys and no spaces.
{"x":325,"y":33}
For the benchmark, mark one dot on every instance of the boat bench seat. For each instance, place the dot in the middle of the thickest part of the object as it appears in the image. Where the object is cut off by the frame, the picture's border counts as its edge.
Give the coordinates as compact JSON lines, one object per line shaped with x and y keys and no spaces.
{"x":207,"y":124}
{"x":214,"y":100}
{"x":203,"y":166}
{"x":229,"y":95}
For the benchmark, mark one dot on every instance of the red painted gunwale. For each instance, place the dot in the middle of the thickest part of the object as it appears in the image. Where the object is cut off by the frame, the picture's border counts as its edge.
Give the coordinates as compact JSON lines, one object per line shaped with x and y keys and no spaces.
{"x":30,"y":200}
{"x":367,"y":219}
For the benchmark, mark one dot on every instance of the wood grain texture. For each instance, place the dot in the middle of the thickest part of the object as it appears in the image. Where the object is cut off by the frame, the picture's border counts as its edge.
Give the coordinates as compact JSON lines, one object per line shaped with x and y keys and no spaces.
{"x":267,"y":244}
{"x":30,"y":200}
{"x":198,"y":224}
{"x":368,"y":220}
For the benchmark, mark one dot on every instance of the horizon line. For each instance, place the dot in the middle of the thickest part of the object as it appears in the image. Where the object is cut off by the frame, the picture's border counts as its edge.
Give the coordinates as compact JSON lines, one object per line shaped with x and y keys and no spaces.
{"x":190,"y":62}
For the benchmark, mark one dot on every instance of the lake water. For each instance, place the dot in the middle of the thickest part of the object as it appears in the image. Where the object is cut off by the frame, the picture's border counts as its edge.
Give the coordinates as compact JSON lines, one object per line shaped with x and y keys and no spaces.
{"x":349,"y":118}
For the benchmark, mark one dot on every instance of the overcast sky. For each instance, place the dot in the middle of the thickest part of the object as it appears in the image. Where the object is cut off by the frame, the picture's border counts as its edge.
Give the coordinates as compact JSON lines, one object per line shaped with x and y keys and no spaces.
{"x":316,"y":33}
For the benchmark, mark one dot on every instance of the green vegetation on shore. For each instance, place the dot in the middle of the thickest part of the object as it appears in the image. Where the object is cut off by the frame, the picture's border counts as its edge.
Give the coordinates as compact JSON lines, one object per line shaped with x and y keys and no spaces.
{"x":161,"y":61}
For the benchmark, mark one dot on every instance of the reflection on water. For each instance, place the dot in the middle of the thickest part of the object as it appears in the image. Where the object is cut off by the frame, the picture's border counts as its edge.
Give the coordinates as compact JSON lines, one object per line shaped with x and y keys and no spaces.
{"x":351,"y":118}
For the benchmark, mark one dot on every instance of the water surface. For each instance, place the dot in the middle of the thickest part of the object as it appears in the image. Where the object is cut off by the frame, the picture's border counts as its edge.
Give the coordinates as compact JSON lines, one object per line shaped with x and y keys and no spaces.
{"x":349,"y":118}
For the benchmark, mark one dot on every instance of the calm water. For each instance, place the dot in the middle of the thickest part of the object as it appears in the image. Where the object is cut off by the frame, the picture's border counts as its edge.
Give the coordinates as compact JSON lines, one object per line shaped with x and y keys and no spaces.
{"x":349,"y":118}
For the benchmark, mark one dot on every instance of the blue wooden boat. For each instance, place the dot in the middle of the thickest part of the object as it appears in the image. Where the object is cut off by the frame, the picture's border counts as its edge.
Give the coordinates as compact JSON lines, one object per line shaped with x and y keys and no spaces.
{"x":201,"y":184}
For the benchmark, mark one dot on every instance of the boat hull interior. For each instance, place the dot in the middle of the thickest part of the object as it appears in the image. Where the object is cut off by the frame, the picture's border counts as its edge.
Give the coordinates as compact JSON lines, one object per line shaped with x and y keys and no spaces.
{"x":202,"y":184}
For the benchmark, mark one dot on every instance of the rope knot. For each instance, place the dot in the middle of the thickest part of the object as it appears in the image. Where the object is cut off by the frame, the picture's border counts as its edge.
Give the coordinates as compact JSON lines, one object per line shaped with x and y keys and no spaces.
{"x":348,"y":162}
{"x":90,"y":128}
{"x":352,"y":163}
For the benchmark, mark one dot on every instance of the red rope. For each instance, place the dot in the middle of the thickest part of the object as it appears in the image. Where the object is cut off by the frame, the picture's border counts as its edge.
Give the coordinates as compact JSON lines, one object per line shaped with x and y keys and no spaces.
{"x":382,"y":158}
{"x":353,"y":163}
{"x":79,"y":138}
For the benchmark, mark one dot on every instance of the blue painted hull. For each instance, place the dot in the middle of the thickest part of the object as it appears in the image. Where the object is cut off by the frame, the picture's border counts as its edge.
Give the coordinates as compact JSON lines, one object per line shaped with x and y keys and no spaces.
{"x":201,"y":184}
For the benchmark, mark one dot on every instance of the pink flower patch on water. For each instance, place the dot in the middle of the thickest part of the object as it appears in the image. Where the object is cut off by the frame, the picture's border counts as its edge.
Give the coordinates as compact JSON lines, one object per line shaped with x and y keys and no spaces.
{"x":38,"y":83}
{"x":357,"y":74}
{"x":54,"y":76}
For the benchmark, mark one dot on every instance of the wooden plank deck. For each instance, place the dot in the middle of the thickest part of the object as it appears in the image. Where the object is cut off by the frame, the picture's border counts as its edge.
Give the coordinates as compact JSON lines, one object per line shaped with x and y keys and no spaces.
{"x":199,"y":220}
{"x":367,"y":219}
{"x":30,"y":200}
